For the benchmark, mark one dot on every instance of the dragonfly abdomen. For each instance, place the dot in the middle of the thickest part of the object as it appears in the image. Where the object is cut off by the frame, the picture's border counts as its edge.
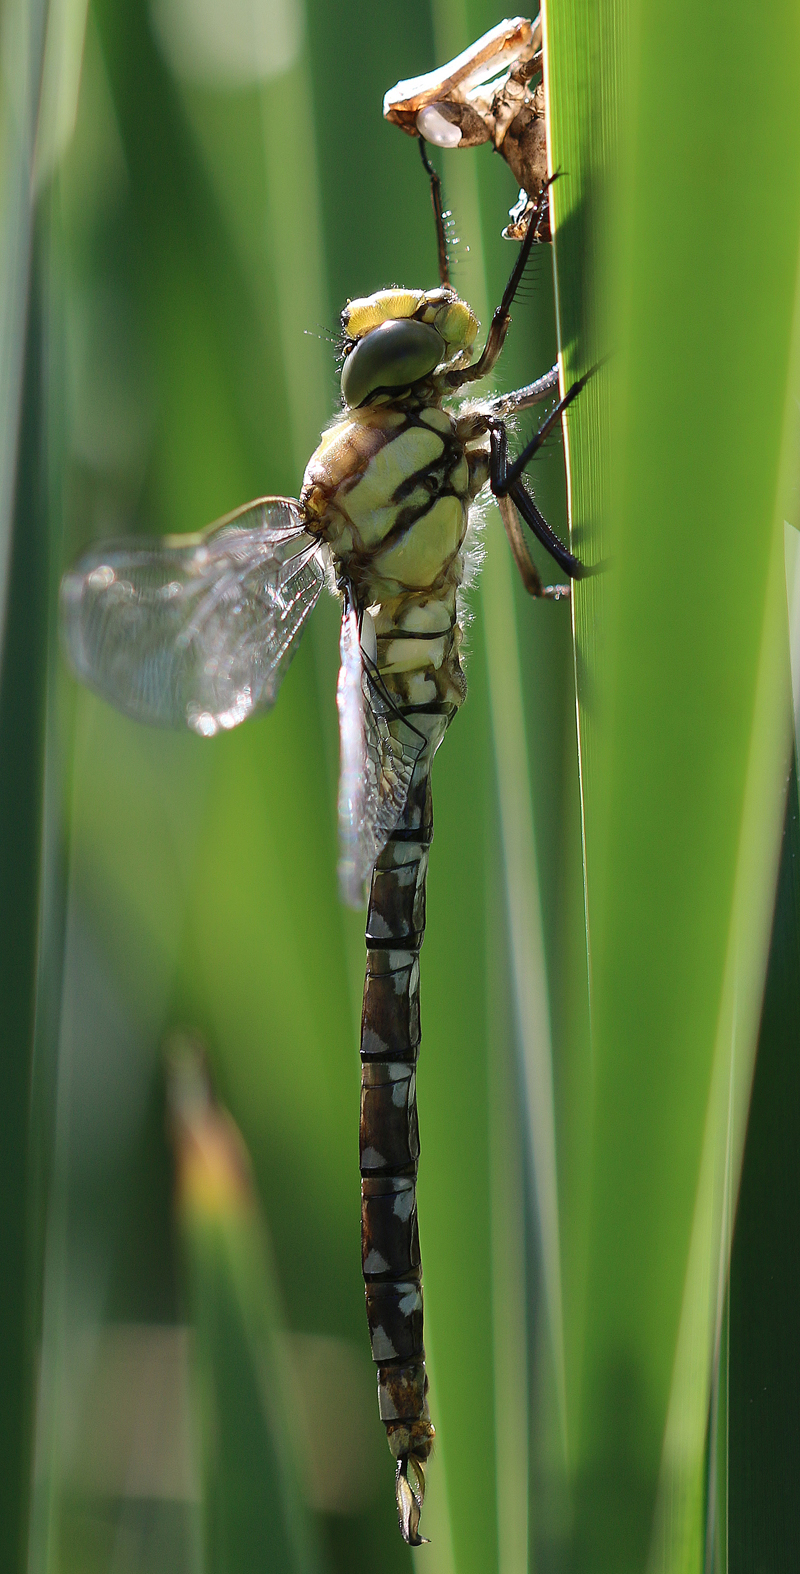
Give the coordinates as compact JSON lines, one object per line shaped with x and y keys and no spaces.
{"x":390,"y":1039}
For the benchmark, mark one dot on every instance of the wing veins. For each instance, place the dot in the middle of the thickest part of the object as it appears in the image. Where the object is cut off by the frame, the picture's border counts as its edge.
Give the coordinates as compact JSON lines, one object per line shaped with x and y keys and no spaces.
{"x":196,"y":634}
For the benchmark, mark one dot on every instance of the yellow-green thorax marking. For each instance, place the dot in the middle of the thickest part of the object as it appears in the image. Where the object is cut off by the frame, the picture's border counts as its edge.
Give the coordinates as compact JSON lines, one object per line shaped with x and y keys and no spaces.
{"x":390,"y":484}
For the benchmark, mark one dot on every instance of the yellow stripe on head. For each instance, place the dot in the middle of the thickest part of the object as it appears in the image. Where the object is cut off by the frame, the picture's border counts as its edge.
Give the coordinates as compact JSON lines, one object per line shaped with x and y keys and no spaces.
{"x":442,"y":308}
{"x":370,"y":311}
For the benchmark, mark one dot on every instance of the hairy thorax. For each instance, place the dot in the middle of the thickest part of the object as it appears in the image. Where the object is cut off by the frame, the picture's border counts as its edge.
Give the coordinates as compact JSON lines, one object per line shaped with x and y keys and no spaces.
{"x":389,"y":489}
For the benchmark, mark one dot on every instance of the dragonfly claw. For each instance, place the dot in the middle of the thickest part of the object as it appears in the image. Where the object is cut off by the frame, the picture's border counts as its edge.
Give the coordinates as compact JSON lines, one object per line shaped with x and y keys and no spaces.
{"x":410,"y":1490}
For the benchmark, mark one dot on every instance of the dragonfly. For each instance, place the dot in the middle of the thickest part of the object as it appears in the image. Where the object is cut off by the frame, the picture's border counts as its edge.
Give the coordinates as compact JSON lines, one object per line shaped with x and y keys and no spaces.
{"x":198,"y":631}
{"x":492,"y":92}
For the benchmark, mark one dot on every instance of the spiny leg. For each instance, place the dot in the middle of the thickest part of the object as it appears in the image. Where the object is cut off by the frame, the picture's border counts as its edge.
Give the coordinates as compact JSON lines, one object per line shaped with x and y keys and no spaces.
{"x":528,"y":571}
{"x":503,"y":406}
{"x":525,"y":505}
{"x":515,"y":470}
{"x":438,"y":213}
{"x":506,"y":481}
{"x":518,"y":498}
{"x":502,"y":316}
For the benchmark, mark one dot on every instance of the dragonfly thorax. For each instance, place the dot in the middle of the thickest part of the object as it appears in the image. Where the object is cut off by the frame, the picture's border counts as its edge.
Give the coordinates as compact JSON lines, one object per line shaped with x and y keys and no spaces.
{"x":389,"y":489}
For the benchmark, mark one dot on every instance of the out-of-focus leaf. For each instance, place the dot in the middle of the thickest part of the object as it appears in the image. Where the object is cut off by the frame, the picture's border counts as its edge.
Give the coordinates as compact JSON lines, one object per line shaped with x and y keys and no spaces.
{"x":763,"y":1393}
{"x":26,"y":524}
{"x":22,"y":713}
{"x":254,"y":1514}
{"x":21,"y":53}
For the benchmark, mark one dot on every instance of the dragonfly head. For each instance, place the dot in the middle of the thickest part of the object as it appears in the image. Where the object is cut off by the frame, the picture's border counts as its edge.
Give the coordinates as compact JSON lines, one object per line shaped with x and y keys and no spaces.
{"x":396,"y":338}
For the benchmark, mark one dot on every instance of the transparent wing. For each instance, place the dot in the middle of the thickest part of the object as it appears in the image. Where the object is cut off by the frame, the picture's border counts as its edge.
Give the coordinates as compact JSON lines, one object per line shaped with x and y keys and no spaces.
{"x":378,"y":753}
{"x":194,"y":631}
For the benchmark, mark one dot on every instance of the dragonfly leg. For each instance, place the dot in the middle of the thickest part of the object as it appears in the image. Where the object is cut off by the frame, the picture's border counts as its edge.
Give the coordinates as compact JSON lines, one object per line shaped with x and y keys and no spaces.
{"x":529,"y":573}
{"x":510,"y":488}
{"x":438,"y":214}
{"x":504,"y":406}
{"x":498,"y":329}
{"x":514,"y":471}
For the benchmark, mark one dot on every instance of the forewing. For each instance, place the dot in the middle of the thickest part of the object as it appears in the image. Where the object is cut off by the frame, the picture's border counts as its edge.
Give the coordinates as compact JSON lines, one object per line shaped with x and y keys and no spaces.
{"x":378,"y":753}
{"x":194,"y":631}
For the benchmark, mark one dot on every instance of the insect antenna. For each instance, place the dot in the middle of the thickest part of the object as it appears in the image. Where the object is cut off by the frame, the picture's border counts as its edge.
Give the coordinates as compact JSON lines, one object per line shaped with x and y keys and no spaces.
{"x":443,"y":220}
{"x":325,"y":335}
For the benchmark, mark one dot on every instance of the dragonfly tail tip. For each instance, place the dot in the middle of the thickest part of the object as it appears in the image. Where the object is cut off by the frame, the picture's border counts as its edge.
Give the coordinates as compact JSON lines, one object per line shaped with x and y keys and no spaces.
{"x":410,"y":1489}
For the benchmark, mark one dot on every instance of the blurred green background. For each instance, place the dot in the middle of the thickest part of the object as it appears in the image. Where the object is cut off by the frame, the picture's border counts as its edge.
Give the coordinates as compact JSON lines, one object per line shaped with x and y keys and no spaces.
{"x":190,"y":193}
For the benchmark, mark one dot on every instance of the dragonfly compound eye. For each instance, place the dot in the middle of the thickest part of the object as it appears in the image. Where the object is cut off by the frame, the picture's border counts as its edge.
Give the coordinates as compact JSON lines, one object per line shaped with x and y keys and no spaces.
{"x":395,"y":355}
